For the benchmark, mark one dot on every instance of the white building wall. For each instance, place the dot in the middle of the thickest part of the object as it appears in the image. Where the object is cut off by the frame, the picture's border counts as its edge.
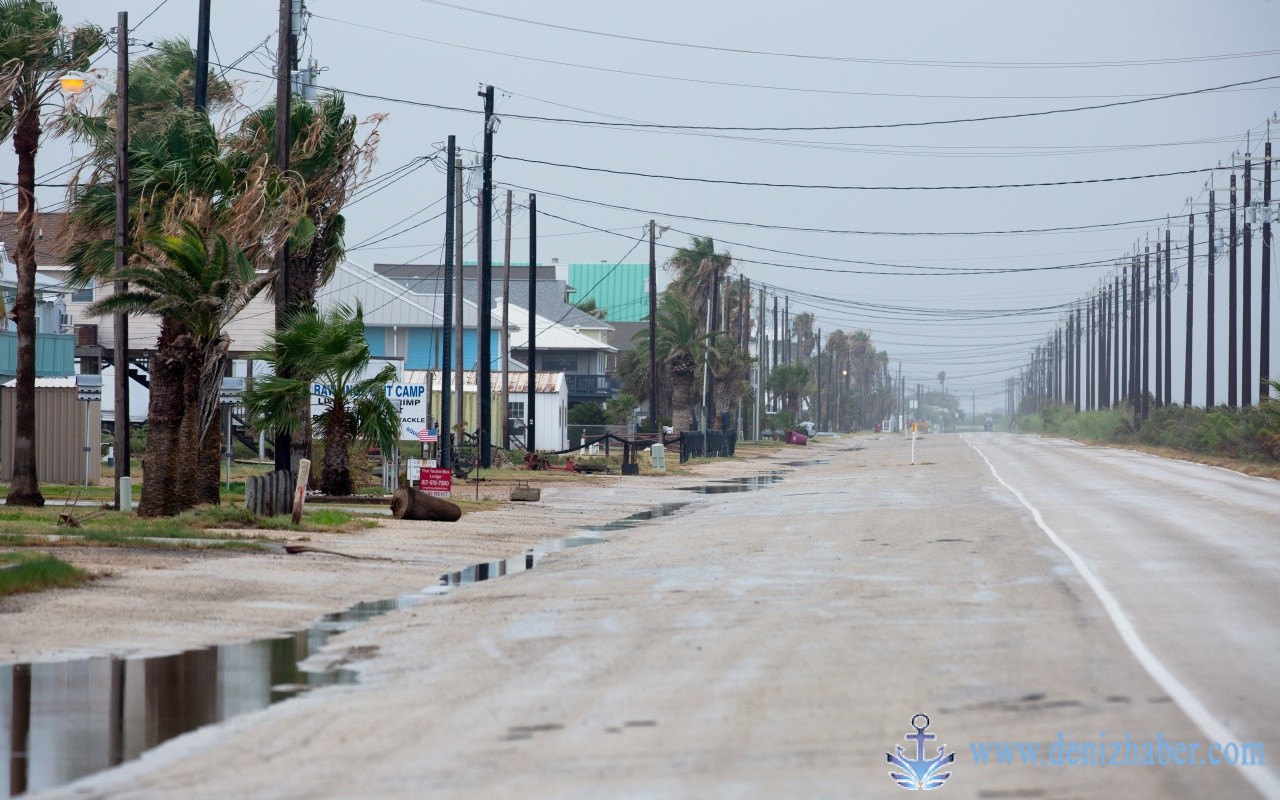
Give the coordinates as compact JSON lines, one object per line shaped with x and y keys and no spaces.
{"x":248,"y":331}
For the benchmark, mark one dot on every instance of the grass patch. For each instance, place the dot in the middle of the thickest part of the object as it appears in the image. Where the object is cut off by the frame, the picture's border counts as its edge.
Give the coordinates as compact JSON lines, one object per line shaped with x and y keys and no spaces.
{"x":38,"y":573}
{"x":1218,"y":435}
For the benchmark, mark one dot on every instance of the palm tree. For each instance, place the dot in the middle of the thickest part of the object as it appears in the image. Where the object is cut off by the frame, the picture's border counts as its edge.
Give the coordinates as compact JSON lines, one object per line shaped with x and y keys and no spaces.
{"x":326,"y":155}
{"x":790,"y":382}
{"x":182,"y":173}
{"x":35,"y":51}
{"x":196,"y":288}
{"x":328,"y":349}
{"x":802,"y":328}
{"x":697,"y":267}
{"x":680,"y":347}
{"x":589,"y":306}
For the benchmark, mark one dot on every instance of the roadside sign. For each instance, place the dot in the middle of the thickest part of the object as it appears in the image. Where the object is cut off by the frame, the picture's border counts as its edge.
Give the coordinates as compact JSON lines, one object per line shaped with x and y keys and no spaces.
{"x":437,"y":481}
{"x":412,"y":466}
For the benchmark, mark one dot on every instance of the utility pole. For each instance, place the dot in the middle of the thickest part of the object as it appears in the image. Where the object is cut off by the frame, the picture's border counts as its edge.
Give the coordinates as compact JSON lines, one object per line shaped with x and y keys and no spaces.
{"x":1191,"y":317}
{"x":202,"y":57}
{"x":653,"y":325}
{"x":776,"y":333}
{"x":1264,"y":347}
{"x":1209,"y":299}
{"x":1246,"y":317}
{"x":459,"y":202}
{"x":744,"y":340}
{"x":1073,"y":359}
{"x":713,"y":329}
{"x":1145,"y":301}
{"x":120,"y":351}
{"x":1118,"y":333}
{"x":446,"y":341}
{"x":1168,"y":317}
{"x":485,"y":379}
{"x":762,"y":365}
{"x":786,"y":324}
{"x":284,"y":69}
{"x":1088,"y":355}
{"x":506,"y":328}
{"x":530,"y":441}
{"x":1233,"y":315}
{"x":817,"y":404}
{"x":1124,"y":391}
{"x":1159,"y":336}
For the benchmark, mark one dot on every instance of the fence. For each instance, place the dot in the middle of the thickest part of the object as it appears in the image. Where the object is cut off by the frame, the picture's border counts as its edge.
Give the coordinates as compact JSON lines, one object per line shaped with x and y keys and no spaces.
{"x":270,"y":495}
{"x":711,"y":444}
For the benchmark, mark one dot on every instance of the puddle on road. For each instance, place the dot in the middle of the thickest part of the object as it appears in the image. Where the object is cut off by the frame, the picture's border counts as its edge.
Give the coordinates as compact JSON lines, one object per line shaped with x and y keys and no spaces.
{"x":63,"y":720}
{"x":489,"y":570}
{"x":813,"y":462}
{"x":751,"y":483}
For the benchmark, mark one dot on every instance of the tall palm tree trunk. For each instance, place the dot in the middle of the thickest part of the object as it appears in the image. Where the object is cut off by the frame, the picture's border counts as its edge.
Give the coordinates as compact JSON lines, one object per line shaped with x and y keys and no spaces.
{"x":24,"y":488}
{"x":335,"y":476}
{"x":681,"y":403}
{"x":208,"y":483}
{"x":161,"y":464}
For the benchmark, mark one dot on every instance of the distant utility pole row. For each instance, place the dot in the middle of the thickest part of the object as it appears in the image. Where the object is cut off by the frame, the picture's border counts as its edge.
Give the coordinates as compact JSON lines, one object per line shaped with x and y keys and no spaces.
{"x":1109,"y":352}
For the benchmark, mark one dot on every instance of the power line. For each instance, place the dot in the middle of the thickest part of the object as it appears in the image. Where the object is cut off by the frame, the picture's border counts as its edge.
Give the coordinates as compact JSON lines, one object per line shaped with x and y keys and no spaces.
{"x":863,"y":60}
{"x":917,"y":271}
{"x":711,"y":82}
{"x":655,"y":127}
{"x":859,"y":188}
{"x":839,"y":231}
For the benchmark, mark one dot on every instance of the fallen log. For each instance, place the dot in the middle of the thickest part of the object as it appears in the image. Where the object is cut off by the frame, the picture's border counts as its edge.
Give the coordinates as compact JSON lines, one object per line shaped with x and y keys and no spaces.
{"x":409,"y":503}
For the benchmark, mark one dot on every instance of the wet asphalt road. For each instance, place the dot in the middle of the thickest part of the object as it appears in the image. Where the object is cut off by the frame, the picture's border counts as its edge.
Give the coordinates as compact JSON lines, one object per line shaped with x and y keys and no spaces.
{"x":778,"y":642}
{"x":1189,"y":555}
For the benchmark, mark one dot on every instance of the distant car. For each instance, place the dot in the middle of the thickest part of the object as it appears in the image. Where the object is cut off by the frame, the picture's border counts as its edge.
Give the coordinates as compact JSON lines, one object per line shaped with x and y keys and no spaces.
{"x":807,"y":428}
{"x":987,"y":424}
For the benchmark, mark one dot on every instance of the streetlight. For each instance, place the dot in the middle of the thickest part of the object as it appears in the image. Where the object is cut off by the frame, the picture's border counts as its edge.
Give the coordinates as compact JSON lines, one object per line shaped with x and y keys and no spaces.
{"x":844,"y":373}
{"x":73,"y":83}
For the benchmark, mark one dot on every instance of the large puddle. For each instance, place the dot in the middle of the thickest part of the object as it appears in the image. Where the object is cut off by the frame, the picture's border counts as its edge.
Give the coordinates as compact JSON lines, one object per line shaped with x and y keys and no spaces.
{"x":751,"y":483}
{"x":63,"y":720}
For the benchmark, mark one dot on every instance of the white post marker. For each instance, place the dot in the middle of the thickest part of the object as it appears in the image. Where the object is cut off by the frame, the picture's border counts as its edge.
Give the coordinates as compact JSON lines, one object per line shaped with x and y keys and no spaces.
{"x":300,"y":490}
{"x":913,"y":444}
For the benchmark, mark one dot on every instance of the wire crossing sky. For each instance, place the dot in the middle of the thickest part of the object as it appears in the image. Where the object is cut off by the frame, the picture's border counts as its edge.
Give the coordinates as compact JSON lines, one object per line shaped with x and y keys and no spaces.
{"x":949,"y":177}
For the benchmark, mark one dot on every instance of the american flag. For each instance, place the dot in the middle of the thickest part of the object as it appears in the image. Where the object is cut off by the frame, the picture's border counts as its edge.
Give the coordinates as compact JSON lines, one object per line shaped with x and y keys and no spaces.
{"x":428,"y":435}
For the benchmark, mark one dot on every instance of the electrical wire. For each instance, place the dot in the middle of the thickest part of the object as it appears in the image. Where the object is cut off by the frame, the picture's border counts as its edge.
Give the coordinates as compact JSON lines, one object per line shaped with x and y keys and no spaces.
{"x":655,"y":127}
{"x":861,"y":60}
{"x":851,"y":187}
{"x":835,"y":231}
{"x":707,"y":81}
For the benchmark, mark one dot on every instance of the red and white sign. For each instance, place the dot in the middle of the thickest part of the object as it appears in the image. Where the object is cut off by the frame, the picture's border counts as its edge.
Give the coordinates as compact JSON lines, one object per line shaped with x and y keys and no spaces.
{"x":435,"y":480}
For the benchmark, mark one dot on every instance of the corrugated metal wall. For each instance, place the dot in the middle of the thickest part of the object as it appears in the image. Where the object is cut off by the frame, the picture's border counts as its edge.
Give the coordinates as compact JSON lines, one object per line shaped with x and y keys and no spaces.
{"x":619,"y":289}
{"x":59,"y":436}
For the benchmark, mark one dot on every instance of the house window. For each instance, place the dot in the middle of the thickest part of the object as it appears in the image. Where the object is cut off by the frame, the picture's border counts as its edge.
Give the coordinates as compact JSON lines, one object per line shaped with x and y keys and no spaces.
{"x":84,"y":295}
{"x":515,"y":409}
{"x":560,"y":362}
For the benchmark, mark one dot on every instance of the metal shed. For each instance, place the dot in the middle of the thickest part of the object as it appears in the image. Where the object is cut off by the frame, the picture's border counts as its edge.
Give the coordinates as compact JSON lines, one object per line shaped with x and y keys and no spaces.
{"x":60,"y":433}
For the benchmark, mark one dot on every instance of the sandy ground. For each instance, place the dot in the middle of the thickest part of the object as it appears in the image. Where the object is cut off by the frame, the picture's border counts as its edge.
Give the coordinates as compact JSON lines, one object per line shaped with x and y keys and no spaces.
{"x":773,"y":643}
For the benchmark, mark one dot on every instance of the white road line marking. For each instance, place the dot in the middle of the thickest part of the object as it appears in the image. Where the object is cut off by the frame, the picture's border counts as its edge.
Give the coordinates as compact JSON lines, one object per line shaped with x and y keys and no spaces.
{"x":1261,"y":777}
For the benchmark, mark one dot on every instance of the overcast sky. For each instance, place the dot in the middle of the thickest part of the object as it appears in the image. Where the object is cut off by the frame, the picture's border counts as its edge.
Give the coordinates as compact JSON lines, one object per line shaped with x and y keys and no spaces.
{"x":869,"y":64}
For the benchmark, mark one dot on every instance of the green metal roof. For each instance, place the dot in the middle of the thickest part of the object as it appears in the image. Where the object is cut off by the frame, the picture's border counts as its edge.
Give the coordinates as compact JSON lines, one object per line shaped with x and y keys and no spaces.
{"x":620,"y":289}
